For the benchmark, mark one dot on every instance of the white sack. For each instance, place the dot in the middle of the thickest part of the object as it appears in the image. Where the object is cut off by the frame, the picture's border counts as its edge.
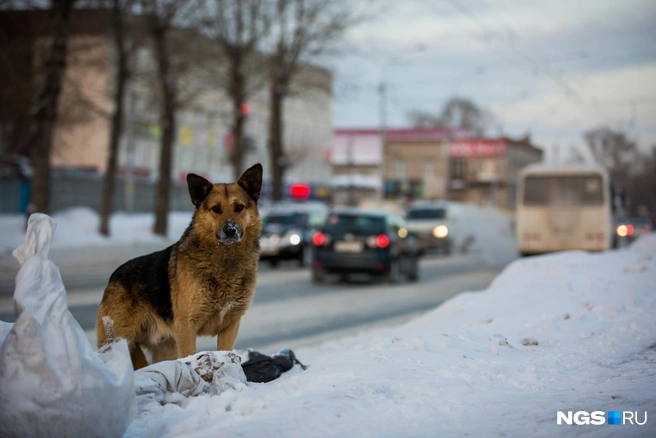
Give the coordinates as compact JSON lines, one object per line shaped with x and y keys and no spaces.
{"x":172,"y":381}
{"x":52,"y":381}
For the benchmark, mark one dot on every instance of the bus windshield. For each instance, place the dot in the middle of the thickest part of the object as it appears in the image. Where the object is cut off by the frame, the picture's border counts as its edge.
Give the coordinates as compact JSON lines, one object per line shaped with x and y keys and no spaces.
{"x":563,"y":190}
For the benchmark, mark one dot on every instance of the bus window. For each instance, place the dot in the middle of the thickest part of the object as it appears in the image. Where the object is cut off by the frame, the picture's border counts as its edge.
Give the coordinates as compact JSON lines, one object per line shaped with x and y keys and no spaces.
{"x":563,"y":190}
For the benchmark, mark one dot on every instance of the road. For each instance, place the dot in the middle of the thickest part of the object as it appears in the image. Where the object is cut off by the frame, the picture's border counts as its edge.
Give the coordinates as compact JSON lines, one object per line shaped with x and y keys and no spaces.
{"x":289,"y":311}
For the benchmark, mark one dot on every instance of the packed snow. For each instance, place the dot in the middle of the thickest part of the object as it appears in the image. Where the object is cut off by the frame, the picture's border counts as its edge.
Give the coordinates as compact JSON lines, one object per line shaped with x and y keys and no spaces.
{"x":78,"y":226}
{"x":563,"y":332}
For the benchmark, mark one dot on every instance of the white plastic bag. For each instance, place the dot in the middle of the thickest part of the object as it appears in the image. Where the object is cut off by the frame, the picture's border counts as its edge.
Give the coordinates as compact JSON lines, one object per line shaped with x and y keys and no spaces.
{"x":173,"y":381}
{"x":52,"y":382}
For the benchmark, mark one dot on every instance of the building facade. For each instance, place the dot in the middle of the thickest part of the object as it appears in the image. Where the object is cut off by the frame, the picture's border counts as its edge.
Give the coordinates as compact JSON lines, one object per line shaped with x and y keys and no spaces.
{"x":482,"y":171}
{"x":416,"y":161}
{"x":203,"y":118}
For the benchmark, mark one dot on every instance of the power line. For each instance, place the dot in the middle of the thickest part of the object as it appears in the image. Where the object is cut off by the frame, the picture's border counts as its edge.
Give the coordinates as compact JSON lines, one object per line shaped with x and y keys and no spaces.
{"x":561,"y":83}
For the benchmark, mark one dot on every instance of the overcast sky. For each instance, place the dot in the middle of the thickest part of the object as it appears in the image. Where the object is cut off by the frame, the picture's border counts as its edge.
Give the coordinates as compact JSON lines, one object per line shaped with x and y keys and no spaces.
{"x":552,"y":68}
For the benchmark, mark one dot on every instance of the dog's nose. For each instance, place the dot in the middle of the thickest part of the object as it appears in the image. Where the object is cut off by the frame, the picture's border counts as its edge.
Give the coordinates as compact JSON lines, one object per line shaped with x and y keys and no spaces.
{"x":229,"y":230}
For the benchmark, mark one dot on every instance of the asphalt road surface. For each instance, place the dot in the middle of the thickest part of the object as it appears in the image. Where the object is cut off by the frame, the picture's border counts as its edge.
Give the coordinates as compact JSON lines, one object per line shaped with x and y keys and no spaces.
{"x":290,"y":311}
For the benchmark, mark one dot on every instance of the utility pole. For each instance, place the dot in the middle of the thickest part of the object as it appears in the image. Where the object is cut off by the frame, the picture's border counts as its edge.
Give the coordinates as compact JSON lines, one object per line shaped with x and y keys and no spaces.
{"x":349,"y":163}
{"x":382,"y":93}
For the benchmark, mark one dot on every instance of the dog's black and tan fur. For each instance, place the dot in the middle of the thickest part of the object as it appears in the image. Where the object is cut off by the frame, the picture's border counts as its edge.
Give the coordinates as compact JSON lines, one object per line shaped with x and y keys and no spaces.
{"x":201,"y":285}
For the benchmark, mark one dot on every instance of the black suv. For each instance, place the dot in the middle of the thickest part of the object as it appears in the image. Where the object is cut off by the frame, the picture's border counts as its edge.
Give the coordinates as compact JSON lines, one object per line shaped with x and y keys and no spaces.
{"x":287,"y":233}
{"x":358,"y":241}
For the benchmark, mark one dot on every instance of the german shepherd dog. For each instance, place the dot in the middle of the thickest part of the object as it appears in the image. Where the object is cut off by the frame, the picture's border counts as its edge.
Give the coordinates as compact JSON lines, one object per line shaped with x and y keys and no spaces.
{"x":201,"y":285}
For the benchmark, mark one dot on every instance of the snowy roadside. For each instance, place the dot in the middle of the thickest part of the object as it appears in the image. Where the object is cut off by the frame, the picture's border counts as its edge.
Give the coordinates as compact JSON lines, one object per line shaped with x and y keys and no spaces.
{"x":78,"y":227}
{"x":565,"y":332}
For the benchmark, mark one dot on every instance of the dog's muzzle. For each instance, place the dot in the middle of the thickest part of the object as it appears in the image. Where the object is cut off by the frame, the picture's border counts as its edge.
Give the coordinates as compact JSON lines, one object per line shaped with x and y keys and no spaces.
{"x":230,"y":233}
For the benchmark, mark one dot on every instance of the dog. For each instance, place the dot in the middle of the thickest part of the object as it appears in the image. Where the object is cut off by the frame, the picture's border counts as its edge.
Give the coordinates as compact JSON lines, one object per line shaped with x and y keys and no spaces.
{"x":201,"y":285}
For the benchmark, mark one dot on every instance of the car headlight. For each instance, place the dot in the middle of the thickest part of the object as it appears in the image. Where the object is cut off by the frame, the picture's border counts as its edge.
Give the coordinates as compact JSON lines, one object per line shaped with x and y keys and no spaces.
{"x":294,"y":238}
{"x":440,"y":231}
{"x":622,"y":231}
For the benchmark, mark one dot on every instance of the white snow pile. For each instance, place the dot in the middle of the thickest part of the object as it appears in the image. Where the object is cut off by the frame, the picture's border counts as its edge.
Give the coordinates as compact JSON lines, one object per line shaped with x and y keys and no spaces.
{"x":483,"y":230}
{"x":566,"y":332}
{"x":563,"y":332}
{"x":53,"y":383}
{"x":78,"y":227}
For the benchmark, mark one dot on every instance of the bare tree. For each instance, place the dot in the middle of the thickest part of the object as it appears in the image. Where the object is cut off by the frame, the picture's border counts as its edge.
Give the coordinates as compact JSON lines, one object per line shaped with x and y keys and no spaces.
{"x":160,"y":15}
{"x":119,"y":9}
{"x":457,"y":112}
{"x":614,"y":151}
{"x":302,"y":29}
{"x":238,"y":28}
{"x":44,"y":111}
{"x":641,"y":188}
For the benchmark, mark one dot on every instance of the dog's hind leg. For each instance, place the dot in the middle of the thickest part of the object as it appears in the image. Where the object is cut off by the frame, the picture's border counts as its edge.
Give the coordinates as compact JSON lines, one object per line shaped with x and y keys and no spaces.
{"x":167,"y":350}
{"x":137,"y":356}
{"x":226,"y":339}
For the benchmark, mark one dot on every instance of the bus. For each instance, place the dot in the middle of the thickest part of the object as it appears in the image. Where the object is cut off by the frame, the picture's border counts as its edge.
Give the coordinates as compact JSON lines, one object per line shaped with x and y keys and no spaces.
{"x":563,"y":208}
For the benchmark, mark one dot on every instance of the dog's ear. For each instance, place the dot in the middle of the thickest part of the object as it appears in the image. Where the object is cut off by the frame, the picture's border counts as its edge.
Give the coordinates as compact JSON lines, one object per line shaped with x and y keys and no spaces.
{"x":199,"y":188}
{"x":251,"y":181}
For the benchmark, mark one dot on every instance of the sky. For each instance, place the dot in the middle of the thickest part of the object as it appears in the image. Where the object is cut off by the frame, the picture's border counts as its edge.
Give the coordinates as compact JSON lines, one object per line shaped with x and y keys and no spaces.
{"x":570,"y":332}
{"x":553,"y":69}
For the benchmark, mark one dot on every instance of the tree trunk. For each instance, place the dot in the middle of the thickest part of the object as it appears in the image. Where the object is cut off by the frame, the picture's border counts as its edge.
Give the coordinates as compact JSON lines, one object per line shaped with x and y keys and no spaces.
{"x":117,"y":119}
{"x":167,"y":123}
{"x":238,"y":119}
{"x":45,"y":108}
{"x":276,"y":154}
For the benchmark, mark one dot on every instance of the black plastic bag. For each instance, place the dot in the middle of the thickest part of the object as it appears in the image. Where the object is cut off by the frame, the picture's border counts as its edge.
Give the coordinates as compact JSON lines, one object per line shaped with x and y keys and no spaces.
{"x":261,"y":368}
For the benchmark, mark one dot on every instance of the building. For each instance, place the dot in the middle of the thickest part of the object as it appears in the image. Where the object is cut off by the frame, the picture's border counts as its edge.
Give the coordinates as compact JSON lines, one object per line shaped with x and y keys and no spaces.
{"x":356,"y":157}
{"x":416,"y":160}
{"x":482,"y":171}
{"x":377,"y":164}
{"x":203,"y":141}
{"x":407,"y":164}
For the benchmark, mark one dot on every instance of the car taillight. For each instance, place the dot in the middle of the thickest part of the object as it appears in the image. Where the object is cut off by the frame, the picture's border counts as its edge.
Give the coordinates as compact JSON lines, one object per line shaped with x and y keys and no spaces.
{"x":382,"y":241}
{"x":318,"y":239}
{"x":629,"y":230}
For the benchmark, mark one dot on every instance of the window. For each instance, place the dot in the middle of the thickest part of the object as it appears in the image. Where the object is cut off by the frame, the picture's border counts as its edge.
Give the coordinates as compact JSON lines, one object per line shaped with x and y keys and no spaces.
{"x":426,"y":213}
{"x":458,"y":168}
{"x":563,"y":190}
{"x":357,"y":225}
{"x":429,"y":170}
{"x":399,"y":168}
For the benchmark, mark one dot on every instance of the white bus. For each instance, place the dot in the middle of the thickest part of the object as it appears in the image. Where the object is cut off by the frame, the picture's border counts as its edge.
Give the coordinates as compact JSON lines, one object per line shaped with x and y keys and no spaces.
{"x":563,"y":208}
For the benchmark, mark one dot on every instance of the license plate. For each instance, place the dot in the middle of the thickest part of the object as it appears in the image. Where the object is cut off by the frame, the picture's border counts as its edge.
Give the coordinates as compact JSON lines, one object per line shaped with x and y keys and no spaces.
{"x":348,"y":246}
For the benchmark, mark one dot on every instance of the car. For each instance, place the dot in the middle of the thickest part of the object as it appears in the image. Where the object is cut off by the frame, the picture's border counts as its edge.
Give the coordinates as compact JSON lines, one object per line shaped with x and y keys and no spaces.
{"x":287,"y":231}
{"x":628,"y":230}
{"x":353,"y":240}
{"x":432,"y":223}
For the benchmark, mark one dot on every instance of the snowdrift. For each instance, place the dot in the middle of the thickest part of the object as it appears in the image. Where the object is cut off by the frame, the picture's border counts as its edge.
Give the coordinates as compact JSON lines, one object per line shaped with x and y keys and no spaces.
{"x":572,"y":331}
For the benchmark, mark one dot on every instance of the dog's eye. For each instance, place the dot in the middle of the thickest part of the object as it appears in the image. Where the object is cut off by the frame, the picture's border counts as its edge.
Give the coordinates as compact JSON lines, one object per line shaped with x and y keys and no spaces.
{"x":216,"y":209}
{"x":238,"y":208}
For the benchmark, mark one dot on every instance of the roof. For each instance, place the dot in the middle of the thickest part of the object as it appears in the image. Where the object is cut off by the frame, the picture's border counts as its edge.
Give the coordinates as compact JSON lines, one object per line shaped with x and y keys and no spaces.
{"x":406,"y":133}
{"x":541,"y":168}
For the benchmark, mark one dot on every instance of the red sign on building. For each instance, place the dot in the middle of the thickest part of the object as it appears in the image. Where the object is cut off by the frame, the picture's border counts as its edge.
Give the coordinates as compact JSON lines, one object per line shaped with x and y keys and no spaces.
{"x":477,"y":148}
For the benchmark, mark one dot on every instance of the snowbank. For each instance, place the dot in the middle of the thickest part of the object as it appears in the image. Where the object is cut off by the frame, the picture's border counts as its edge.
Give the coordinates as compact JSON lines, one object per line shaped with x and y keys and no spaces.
{"x":79,"y":227}
{"x":572,"y":331}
